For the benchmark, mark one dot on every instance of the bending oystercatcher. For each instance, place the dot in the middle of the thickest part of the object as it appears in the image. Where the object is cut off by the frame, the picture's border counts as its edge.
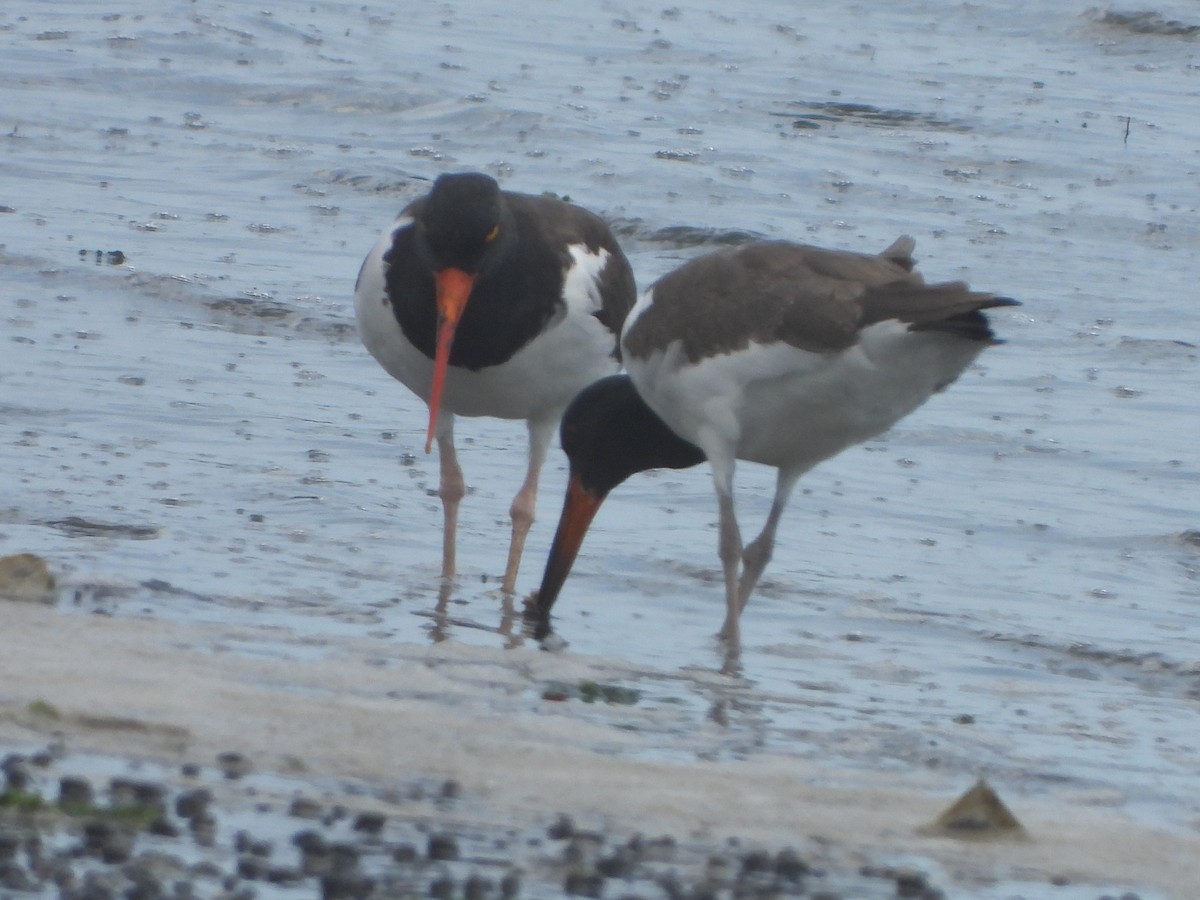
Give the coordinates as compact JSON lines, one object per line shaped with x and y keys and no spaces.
{"x":772,"y":352}
{"x":491,"y":303}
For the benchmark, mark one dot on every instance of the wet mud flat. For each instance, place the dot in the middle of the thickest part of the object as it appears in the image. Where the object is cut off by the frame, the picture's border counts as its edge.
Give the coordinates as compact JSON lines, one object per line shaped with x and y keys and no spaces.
{"x":244,"y":532}
{"x":337,"y":771}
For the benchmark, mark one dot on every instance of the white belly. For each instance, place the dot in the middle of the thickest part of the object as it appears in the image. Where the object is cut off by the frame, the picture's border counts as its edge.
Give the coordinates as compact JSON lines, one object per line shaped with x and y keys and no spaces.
{"x":791,"y":408}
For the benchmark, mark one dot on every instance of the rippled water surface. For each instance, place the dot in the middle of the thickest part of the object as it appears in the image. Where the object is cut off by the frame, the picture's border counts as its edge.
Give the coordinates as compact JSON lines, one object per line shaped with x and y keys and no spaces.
{"x":1005,"y":585}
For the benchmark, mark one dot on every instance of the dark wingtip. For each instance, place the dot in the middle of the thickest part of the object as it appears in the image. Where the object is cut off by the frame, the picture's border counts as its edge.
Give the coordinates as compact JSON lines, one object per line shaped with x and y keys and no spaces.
{"x":1001,"y":301}
{"x":996,"y":303}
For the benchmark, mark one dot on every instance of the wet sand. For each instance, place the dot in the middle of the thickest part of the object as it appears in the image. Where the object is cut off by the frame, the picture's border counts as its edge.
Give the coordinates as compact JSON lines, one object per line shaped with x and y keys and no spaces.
{"x":368,"y":720}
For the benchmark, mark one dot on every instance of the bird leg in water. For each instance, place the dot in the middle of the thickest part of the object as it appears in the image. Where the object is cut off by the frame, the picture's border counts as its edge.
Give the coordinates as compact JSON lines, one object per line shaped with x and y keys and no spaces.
{"x":524,"y":504}
{"x":729,"y":549}
{"x":451,"y":490}
{"x":758,"y":552}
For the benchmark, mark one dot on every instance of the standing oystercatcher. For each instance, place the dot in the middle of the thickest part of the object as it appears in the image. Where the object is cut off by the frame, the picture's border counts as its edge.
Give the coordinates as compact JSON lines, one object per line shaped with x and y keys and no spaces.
{"x":490,"y":303}
{"x":772,"y":352}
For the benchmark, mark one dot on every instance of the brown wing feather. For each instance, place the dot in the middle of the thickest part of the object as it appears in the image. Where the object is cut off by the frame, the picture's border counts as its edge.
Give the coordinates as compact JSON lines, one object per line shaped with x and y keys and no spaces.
{"x":809,"y":297}
{"x":576,"y":225}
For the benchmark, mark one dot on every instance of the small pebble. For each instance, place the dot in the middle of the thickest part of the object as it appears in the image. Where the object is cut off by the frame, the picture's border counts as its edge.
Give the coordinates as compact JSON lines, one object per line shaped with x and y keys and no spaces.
{"x":343,"y":857}
{"x":190,"y":804}
{"x":618,"y":864}
{"x":405,"y":853}
{"x":252,"y":868}
{"x":789,"y":865}
{"x":755,"y":862}
{"x":204,"y":829}
{"x":106,"y":841}
{"x":314,"y":853}
{"x":370,"y":822}
{"x":26,"y":578}
{"x":660,"y":849}
{"x":510,"y":884}
{"x":477,"y":887}
{"x":561,"y":828}
{"x":17,"y":772}
{"x":309,"y":841}
{"x":719,"y":869}
{"x":233,"y":764}
{"x":76,"y":792}
{"x":284,"y":875}
{"x":442,"y":845}
{"x":128,"y":792}
{"x":244,"y":842}
{"x":304,"y":808}
{"x":674,"y":888}
{"x":584,"y":884}
{"x":336,"y":813}
{"x":911,"y":883}
{"x":347,"y":887}
{"x":163,"y":827}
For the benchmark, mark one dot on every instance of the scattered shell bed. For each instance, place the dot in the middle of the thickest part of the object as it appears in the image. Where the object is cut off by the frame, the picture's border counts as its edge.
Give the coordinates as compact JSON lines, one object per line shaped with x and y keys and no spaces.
{"x":141,"y":831}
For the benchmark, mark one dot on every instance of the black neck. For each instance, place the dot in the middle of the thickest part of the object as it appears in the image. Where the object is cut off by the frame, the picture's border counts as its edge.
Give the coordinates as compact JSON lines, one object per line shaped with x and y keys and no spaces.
{"x":609,"y":434}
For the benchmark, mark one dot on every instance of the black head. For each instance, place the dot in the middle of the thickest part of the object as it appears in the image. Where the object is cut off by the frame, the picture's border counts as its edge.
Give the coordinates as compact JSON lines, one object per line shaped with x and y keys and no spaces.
{"x":461,"y":219}
{"x":608,"y":434}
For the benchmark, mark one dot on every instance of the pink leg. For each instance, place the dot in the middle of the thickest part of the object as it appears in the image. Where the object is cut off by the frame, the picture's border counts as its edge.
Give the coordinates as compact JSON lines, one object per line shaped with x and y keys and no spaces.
{"x":729,"y":548}
{"x":758,"y":552}
{"x":451,"y":490}
{"x":525,"y":503}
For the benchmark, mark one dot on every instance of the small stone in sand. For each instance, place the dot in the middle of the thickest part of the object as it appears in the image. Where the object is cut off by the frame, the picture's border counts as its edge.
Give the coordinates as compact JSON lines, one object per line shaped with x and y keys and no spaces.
{"x":442,"y":845}
{"x":233,"y":764}
{"x":978,"y":814}
{"x":26,"y":578}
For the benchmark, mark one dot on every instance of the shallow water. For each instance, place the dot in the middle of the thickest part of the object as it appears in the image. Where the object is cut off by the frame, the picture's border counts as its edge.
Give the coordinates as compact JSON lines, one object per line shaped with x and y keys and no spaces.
{"x":1006,"y":584}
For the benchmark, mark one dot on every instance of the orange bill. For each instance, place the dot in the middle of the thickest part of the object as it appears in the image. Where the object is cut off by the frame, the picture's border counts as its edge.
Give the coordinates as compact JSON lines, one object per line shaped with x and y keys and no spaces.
{"x":453,"y":290}
{"x":579,"y":508}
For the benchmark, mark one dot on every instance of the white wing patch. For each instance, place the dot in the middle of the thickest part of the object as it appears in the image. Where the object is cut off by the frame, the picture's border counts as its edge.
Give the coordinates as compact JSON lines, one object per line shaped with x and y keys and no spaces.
{"x":581,"y":286}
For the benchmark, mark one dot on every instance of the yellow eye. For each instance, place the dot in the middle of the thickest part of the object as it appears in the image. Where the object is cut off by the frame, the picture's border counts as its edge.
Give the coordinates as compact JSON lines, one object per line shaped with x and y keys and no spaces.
{"x":492,"y":235}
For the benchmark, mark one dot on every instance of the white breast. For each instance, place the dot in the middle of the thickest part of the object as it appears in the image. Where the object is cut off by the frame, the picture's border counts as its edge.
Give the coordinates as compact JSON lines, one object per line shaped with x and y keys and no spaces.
{"x":542,"y":377}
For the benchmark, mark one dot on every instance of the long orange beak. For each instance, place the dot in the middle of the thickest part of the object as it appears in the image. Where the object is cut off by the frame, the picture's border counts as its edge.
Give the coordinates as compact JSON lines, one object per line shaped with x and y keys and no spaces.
{"x":579,"y":508}
{"x":453,"y":290}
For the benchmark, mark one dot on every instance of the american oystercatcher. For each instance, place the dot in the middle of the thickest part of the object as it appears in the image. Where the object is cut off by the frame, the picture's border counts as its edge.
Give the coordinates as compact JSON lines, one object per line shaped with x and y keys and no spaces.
{"x":491,"y":303}
{"x":771,"y":352}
